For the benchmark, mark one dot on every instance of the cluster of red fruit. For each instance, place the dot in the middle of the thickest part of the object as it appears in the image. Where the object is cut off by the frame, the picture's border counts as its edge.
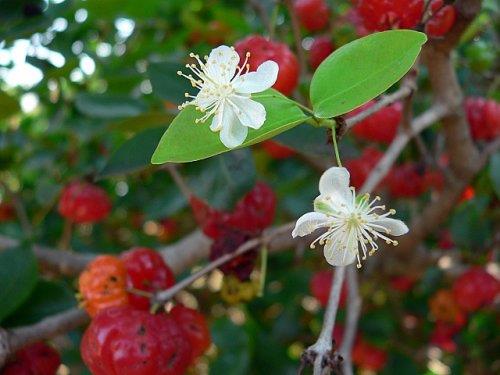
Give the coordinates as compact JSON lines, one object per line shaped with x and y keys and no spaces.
{"x":124,"y":337}
{"x":474,"y":289}
{"x":33,"y":359}
{"x":251,"y":215}
{"x":483,"y":116}
{"x":82,"y":202}
{"x":379,"y":15}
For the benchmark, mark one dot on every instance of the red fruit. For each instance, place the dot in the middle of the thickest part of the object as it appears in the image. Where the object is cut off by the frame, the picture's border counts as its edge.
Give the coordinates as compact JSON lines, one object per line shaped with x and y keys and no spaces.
{"x":444,"y":308}
{"x":7,"y":212}
{"x":381,"y":126}
{"x":147,"y":271}
{"x":445,"y":241}
{"x":442,"y":19}
{"x":168,"y":229}
{"x":402,"y":283}
{"x":276,"y":150}
{"x":261,"y":50}
{"x":82,"y":202}
{"x":195,"y":329}
{"x":103,"y":284}
{"x":34,"y":359}
{"x":320,"y":286}
{"x":468,"y":194}
{"x":125,"y":341}
{"x":361,"y":167}
{"x":320,"y":49}
{"x":313,"y":14}
{"x":406,"y":181}
{"x":442,"y":336}
{"x":379,"y":15}
{"x":433,"y":180}
{"x":484,"y":118}
{"x":475,"y":288}
{"x":368,"y":357}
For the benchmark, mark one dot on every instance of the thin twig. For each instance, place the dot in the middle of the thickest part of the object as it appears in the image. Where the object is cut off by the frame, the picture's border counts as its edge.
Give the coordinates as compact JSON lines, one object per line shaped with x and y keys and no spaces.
{"x":296,"y":35}
{"x":260,"y":10}
{"x":166,"y":295}
{"x":352,"y":314}
{"x":179,"y":180}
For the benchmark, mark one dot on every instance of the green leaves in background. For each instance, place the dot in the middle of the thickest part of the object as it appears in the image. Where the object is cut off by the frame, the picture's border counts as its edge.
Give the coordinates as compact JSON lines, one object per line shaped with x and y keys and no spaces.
{"x":134,"y":154}
{"x":470,"y":227}
{"x":233,"y":348}
{"x":494,"y":171}
{"x":167,"y":84}
{"x":8,"y":106}
{"x":363,"y":69}
{"x":108,"y":106}
{"x":142,"y":122}
{"x":18,"y":277}
{"x":185,"y":141}
{"x":48,"y":298}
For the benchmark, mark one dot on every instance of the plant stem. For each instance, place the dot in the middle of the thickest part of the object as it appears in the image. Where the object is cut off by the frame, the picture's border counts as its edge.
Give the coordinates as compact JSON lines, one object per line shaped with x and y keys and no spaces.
{"x":263,"y":270}
{"x":335,"y":146}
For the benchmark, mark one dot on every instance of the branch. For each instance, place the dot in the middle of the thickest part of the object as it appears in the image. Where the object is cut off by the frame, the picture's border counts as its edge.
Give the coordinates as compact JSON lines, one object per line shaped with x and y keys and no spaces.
{"x":320,"y":353}
{"x":261,"y":12}
{"x":297,"y":36}
{"x":14,"y":339}
{"x":352,"y":312}
{"x":179,"y":181}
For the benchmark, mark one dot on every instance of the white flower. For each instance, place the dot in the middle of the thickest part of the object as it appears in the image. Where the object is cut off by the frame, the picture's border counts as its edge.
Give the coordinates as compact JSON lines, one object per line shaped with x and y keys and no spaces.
{"x":351,"y":224}
{"x":225,"y":91}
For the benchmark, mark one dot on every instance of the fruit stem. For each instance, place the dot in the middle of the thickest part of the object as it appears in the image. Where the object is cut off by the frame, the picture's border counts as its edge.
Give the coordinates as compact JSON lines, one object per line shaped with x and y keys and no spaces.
{"x":263,"y":270}
{"x":335,"y":146}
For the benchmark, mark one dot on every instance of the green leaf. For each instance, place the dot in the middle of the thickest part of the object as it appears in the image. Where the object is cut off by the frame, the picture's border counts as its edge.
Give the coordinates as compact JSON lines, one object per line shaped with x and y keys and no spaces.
{"x":494,"y":171}
{"x":134,"y":154}
{"x":186,"y":141}
{"x":108,"y":106}
{"x":233,"y":348}
{"x":166,"y":83}
{"x":48,"y":298}
{"x":363,"y":69}
{"x":142,"y":122}
{"x":470,"y":226}
{"x":8,"y":106}
{"x":18,"y":277}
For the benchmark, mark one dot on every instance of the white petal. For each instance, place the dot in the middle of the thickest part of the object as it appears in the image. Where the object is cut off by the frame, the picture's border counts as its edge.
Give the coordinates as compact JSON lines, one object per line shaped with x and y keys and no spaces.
{"x":233,"y":133}
{"x":205,"y":97}
{"x":218,"y":119}
{"x":335,"y":183}
{"x":338,"y":255}
{"x":263,"y":78}
{"x":222,"y":63}
{"x":308,"y":223}
{"x":395,"y":227}
{"x":249,"y":112}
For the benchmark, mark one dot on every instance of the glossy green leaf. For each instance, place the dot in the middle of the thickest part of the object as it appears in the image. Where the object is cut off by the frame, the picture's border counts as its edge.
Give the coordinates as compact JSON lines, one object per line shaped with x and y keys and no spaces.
{"x":18,"y":277}
{"x":185,"y":141}
{"x":134,"y":154}
{"x":108,"y":106}
{"x":363,"y":69}
{"x":167,"y":84}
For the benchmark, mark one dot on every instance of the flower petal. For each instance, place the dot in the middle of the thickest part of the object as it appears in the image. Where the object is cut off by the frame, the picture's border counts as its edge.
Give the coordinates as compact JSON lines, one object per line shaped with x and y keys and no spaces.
{"x":394,"y":226}
{"x":233,"y":133}
{"x":217,"y":120}
{"x":338,"y":255}
{"x":335,"y":183}
{"x":308,"y":223}
{"x":263,"y":78}
{"x":249,"y":112}
{"x":222,"y":63}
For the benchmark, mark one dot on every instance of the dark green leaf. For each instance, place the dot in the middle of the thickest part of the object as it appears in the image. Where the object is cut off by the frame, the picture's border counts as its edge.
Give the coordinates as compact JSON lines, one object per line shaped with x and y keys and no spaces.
{"x":494,"y":170}
{"x":363,"y":69}
{"x":134,"y":154}
{"x":142,"y":122}
{"x":469,"y":226}
{"x":108,"y":106}
{"x":48,"y":298}
{"x":18,"y":277}
{"x":233,"y":347}
{"x":186,"y":141}
{"x":8,"y":106}
{"x":167,"y":84}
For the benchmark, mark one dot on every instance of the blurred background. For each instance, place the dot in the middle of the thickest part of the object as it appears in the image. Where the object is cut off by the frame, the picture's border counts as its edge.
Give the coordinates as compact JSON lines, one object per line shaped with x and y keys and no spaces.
{"x":88,"y":88}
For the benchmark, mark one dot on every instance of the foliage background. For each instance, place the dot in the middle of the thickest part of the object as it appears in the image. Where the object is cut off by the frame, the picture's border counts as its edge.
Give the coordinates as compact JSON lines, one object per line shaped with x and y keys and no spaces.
{"x":105,"y":74}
